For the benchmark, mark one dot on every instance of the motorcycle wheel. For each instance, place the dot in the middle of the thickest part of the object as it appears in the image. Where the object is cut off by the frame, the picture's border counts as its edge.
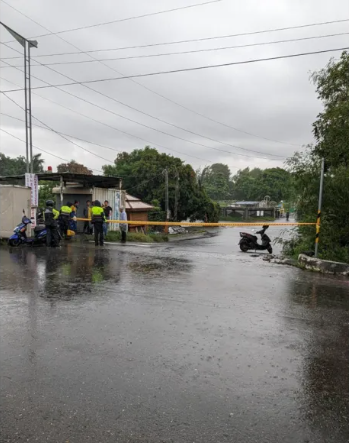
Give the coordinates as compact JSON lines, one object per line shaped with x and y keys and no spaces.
{"x":270,"y":250}
{"x":14,"y":242}
{"x":244,"y":247}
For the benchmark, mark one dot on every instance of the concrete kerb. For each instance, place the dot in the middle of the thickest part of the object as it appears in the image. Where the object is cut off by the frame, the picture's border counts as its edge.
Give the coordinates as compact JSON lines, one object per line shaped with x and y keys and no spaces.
{"x":323,"y":266}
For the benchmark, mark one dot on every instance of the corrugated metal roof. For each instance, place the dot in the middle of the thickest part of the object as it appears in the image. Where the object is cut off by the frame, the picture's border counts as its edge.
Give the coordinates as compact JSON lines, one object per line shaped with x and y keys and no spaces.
{"x":247,"y":203}
{"x":136,"y":204}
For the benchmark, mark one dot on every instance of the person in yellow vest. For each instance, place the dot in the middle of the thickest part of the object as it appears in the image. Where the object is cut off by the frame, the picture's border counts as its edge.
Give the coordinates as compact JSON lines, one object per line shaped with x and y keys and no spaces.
{"x":65,"y":217}
{"x":50,"y":217}
{"x":98,"y":218}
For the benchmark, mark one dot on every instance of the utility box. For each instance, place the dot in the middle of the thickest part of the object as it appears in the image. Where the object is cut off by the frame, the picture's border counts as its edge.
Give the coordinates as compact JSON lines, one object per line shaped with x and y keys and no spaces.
{"x":13,"y":201}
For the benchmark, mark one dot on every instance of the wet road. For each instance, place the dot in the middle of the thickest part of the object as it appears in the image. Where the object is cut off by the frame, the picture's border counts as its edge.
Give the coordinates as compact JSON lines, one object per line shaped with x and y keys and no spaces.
{"x":186,"y":342}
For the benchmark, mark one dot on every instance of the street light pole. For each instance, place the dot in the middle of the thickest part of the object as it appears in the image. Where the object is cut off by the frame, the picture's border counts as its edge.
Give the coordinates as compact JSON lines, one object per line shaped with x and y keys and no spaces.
{"x":29,"y":90}
{"x":26,"y":107}
{"x":319,"y":207}
{"x":27,"y":44}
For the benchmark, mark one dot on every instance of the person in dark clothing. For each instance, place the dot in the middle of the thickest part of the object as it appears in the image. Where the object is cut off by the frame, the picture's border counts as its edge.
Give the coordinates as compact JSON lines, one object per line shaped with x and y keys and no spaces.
{"x":65,"y":218}
{"x":50,"y":217}
{"x":87,"y":214}
{"x":107,"y":212}
{"x":123,"y":226}
{"x":98,"y":218}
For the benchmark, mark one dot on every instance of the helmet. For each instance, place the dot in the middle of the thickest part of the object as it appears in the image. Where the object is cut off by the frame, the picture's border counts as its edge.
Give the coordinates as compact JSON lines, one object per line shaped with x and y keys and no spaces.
{"x":50,"y":203}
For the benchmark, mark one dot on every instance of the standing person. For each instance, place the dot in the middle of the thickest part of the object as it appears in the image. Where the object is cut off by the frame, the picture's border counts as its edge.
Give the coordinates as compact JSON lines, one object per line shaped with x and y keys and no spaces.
{"x":65,"y":217}
{"x":107,"y":212}
{"x":87,"y":214}
{"x":50,"y":217}
{"x":123,"y":226}
{"x":98,"y":219}
{"x":74,"y":210}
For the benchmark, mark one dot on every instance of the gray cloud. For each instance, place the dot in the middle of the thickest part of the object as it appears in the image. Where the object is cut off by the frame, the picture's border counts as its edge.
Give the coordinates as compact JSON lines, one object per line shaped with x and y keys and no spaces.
{"x":275,"y":100}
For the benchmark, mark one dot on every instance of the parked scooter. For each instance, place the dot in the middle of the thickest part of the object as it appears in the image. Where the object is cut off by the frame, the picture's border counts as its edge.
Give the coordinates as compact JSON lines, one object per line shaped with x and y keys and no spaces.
{"x":20,"y":234}
{"x":249,"y":241}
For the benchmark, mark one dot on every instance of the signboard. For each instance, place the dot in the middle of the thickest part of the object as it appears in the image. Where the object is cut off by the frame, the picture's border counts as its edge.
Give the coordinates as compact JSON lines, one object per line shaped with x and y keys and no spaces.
{"x":31,"y":180}
{"x":117,"y":204}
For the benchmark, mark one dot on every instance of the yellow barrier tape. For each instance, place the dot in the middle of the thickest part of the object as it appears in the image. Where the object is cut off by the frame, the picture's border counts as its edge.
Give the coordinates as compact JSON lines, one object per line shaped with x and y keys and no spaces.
{"x":228,"y":224}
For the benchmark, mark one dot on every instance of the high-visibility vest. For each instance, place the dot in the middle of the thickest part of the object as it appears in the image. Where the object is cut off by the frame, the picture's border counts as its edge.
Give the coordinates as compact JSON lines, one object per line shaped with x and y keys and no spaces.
{"x":65,"y":211}
{"x":50,"y":214}
{"x":97,"y":214}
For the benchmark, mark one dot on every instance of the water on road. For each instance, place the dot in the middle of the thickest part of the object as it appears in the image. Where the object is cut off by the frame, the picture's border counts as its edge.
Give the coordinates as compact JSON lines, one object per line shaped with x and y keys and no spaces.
{"x":181,"y":342}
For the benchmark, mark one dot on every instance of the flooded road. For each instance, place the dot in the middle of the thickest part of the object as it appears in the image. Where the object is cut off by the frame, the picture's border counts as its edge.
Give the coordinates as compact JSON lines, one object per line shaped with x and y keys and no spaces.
{"x":181,"y":342}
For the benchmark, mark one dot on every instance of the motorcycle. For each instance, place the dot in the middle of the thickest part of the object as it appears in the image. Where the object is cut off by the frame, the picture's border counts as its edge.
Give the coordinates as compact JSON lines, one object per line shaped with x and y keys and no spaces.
{"x":20,"y":234}
{"x":249,"y":241}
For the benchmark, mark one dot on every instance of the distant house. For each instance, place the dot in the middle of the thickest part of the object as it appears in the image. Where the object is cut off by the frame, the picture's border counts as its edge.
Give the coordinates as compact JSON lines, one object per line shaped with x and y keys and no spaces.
{"x":136,"y":210}
{"x":247,"y":204}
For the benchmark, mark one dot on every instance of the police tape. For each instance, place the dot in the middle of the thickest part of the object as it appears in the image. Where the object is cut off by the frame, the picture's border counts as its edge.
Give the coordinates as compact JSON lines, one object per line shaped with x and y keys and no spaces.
{"x":203,"y":224}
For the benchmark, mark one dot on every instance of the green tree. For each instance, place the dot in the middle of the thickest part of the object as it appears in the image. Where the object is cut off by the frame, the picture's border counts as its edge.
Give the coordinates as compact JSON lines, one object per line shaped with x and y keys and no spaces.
{"x":215,"y":179}
{"x":255,"y":184}
{"x":331,"y":131}
{"x":331,"y":128}
{"x":45,"y":192}
{"x":142,"y":172}
{"x":74,"y":167}
{"x":17,"y":165}
{"x":245,"y":184}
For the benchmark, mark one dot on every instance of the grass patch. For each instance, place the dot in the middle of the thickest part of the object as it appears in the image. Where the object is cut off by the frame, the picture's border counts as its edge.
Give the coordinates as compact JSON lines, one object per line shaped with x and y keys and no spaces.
{"x":115,"y":236}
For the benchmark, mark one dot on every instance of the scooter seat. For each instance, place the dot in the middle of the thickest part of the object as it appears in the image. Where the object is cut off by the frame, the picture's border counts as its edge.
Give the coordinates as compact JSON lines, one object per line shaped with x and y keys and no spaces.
{"x":39,"y":228}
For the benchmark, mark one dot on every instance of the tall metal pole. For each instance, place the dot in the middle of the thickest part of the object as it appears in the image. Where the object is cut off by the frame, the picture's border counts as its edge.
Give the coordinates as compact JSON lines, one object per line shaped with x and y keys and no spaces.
{"x":30,"y":113}
{"x":26,"y":107}
{"x":319,"y":207}
{"x":166,"y":200}
{"x":175,"y":212}
{"x":166,"y":195}
{"x":27,"y":94}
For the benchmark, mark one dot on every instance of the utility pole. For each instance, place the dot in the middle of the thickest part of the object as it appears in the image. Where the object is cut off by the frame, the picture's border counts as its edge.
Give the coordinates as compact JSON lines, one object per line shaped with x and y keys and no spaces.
{"x":27,"y":44}
{"x":166,"y":199}
{"x":175,"y":212}
{"x":319,"y":207}
{"x":166,"y":196}
{"x":29,"y":108}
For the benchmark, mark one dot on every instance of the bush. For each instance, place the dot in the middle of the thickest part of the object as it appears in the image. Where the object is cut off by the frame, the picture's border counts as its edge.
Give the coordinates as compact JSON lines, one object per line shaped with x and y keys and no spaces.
{"x":115,"y":236}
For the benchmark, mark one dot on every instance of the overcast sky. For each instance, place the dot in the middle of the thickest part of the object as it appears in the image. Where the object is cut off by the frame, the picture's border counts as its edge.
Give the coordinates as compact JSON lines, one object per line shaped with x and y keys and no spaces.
{"x":271,"y":100}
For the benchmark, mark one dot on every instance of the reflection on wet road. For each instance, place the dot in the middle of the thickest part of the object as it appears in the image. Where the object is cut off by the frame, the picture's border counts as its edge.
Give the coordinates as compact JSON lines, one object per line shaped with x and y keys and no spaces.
{"x":185,"y":342}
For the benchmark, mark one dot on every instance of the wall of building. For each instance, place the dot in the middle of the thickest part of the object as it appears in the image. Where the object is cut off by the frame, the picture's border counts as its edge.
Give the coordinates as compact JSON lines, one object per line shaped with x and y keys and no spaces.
{"x":111,"y":195}
{"x":13,"y":200}
{"x":135,"y":216}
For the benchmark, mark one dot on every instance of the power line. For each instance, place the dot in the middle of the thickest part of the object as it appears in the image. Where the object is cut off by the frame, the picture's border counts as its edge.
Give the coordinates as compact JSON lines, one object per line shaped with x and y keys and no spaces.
{"x":197,"y":68}
{"x":184,"y":52}
{"x":36,"y":147}
{"x":157,"y":93}
{"x":63,"y":133}
{"x":163,"y":121}
{"x":124,"y":132}
{"x":176,"y":42}
{"x":150,"y":14}
{"x":60,"y":135}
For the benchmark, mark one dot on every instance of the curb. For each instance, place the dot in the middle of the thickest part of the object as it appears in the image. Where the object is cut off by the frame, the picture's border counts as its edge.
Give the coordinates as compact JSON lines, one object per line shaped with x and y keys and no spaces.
{"x":324,"y":266}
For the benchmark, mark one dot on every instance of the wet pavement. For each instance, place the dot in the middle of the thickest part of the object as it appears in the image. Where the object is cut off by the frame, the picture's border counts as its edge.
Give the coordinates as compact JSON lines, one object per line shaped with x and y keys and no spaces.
{"x":188,"y":342}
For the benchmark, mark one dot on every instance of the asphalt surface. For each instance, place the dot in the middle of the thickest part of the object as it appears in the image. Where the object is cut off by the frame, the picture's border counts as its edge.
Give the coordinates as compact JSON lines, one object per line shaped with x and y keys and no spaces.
{"x":183,"y":342}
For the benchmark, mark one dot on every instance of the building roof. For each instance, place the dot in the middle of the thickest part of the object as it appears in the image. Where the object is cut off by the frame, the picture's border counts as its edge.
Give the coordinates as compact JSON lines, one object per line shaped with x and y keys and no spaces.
{"x":99,"y":181}
{"x":247,"y":203}
{"x":135,"y":204}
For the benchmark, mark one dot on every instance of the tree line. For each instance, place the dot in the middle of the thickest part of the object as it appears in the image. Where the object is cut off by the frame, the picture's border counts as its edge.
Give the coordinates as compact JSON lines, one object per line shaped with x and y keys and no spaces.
{"x":247,"y":184}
